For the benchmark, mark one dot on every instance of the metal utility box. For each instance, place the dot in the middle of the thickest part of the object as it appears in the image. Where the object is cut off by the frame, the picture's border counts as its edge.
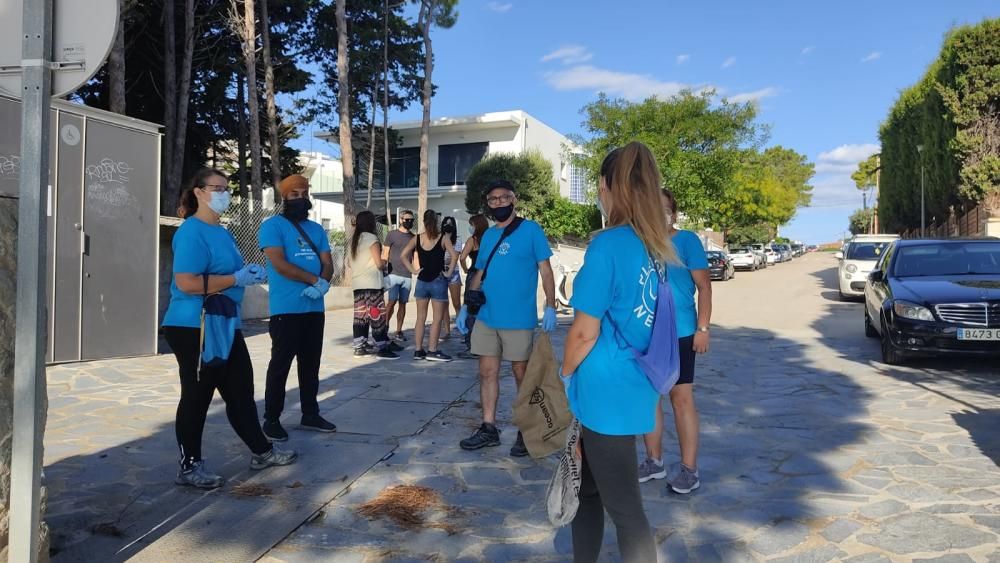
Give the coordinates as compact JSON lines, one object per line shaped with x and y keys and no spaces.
{"x":103,"y":232}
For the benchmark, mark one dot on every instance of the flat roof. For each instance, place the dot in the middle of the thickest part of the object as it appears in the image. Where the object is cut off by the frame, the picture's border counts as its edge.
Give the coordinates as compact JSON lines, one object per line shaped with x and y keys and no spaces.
{"x":491,"y":120}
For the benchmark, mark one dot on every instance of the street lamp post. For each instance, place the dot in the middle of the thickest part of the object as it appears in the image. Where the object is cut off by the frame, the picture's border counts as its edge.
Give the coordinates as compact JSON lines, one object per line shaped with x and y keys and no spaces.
{"x":923,"y":222}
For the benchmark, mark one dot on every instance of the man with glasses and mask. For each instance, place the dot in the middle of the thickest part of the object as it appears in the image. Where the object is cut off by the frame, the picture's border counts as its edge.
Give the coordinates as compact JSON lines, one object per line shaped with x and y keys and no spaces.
{"x":399,"y":280}
{"x":299,"y":267}
{"x":512,"y":255}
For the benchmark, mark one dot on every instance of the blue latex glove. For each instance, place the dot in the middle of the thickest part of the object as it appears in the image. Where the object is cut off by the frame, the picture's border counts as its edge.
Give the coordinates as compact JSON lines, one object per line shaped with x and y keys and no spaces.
{"x":549,"y":320}
{"x":252,"y":274}
{"x":462,"y":320}
{"x":311,"y":292}
{"x":322,"y":286}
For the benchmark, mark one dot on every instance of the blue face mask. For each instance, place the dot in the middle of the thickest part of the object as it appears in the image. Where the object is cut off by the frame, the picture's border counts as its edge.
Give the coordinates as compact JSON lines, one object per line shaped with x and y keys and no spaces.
{"x":220,"y":202}
{"x":472,"y":230}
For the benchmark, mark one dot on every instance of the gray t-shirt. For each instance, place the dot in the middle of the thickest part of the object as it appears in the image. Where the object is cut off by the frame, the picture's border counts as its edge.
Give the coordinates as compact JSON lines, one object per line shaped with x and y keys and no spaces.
{"x":397,"y":241}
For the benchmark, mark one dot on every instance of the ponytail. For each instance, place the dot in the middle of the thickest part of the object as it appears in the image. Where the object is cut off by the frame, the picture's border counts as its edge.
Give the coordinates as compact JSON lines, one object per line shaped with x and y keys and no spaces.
{"x":431,"y":228}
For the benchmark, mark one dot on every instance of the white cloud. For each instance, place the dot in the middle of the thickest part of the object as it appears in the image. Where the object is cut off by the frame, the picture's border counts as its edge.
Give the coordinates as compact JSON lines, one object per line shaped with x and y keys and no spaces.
{"x":835,"y":190}
{"x":501,"y":8}
{"x":614,"y":83}
{"x":729,"y":62}
{"x":569,"y":54}
{"x":682,"y":59}
{"x":808,"y":50}
{"x":874,"y":55}
{"x":755,"y":96}
{"x":844,"y":159}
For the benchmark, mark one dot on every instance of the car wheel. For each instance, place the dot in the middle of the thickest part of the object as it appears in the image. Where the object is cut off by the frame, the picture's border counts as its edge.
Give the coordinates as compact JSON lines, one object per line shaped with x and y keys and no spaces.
{"x":890,"y":355}
{"x":870,"y":331}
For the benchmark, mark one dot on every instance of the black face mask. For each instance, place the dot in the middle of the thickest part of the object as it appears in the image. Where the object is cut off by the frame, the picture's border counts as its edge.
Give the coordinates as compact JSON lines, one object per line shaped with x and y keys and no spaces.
{"x":501,"y":214}
{"x":297,"y":209}
{"x":407,"y":223}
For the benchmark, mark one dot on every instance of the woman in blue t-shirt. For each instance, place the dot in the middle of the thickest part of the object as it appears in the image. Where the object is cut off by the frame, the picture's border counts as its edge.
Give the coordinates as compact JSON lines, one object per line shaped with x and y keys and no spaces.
{"x":206,"y":257}
{"x":608,"y":392}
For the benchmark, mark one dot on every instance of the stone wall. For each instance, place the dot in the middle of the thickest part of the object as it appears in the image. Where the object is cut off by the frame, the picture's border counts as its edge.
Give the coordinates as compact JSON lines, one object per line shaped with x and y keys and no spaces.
{"x":8,"y":298}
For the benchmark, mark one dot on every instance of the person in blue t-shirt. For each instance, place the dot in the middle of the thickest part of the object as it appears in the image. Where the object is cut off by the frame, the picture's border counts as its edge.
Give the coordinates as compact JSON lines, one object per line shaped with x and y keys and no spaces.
{"x":299,"y":267}
{"x":206,"y":259}
{"x":505,"y":324}
{"x":685,"y":279}
{"x":608,"y":392}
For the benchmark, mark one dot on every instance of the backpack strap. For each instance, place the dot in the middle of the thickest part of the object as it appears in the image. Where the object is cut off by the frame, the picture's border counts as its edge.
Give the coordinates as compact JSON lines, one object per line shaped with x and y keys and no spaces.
{"x":302,"y":232}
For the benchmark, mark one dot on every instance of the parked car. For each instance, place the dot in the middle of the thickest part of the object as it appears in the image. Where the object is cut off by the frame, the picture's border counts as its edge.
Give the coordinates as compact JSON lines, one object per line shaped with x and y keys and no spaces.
{"x":857,"y":259}
{"x":935,"y":297}
{"x":786,"y":252}
{"x":772,"y":254}
{"x":759,"y":248}
{"x":798,"y":250}
{"x":744,"y":258}
{"x":812,"y":248}
{"x":720,"y":265}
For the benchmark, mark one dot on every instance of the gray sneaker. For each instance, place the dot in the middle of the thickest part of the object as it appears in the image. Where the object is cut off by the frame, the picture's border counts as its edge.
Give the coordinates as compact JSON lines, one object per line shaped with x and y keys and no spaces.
{"x":276,"y":456}
{"x":685,"y":481}
{"x":649,"y":470}
{"x":199,"y":477}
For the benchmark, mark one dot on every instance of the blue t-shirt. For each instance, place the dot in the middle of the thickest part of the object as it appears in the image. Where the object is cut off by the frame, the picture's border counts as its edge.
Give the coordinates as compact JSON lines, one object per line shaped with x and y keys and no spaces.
{"x":285,"y":295}
{"x":200,"y":248}
{"x":609,"y":393}
{"x":692,"y":256}
{"x":512,"y":280}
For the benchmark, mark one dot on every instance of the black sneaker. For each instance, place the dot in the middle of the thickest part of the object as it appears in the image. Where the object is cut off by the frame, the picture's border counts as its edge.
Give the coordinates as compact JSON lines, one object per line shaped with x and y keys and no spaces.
{"x":273,"y":431}
{"x":486,"y":436}
{"x":466,"y":355}
{"x":393,"y":347}
{"x":420,"y":355}
{"x":438,"y":356}
{"x":386,"y":354}
{"x":519,"y":449}
{"x":316,"y":423}
{"x":399,"y":337}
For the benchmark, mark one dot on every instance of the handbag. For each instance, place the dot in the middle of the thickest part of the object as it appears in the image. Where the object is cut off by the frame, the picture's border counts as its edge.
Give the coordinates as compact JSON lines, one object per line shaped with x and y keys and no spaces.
{"x":220,"y":317}
{"x":476,"y":298}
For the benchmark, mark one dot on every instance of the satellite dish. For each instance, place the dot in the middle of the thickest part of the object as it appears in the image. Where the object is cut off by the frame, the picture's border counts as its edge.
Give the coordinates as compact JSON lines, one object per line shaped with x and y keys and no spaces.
{"x":82,"y":35}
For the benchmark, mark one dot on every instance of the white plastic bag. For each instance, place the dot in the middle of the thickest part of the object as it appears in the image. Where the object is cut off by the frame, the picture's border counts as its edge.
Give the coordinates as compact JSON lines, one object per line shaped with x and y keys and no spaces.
{"x":563,"y":496}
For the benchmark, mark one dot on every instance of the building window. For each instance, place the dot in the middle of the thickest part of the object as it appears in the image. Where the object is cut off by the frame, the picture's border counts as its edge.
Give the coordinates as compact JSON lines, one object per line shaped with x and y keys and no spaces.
{"x":326,"y":224}
{"x":577,"y":184}
{"x":455,"y":161}
{"x":404,"y":169}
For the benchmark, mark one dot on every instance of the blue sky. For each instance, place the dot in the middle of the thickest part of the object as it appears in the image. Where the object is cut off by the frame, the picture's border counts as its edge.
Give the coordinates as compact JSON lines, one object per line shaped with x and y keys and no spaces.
{"x":824,"y":73}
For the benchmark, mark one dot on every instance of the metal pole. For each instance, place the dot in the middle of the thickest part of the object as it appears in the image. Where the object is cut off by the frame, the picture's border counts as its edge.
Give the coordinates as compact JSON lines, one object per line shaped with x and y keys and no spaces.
{"x":923,"y":225}
{"x":30,"y":334}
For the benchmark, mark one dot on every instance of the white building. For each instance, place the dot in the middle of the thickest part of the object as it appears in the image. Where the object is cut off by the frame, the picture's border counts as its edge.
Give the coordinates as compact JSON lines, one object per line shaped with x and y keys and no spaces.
{"x":456,"y":145}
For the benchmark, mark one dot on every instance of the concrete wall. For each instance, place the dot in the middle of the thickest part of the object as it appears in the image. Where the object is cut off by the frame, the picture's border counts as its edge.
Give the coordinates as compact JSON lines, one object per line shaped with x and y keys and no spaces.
{"x":8,"y":299}
{"x":550,"y":142}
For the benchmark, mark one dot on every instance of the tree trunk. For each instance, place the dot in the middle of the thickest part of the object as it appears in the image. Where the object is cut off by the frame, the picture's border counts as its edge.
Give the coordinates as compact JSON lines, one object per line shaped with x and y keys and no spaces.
{"x":272,"y":107}
{"x":344,"y":106}
{"x":116,"y":65}
{"x":426,"y":13}
{"x":171,"y":185}
{"x":385,"y":111}
{"x":249,"y":37}
{"x":184,"y":92}
{"x":241,"y":142}
{"x":371,"y":149}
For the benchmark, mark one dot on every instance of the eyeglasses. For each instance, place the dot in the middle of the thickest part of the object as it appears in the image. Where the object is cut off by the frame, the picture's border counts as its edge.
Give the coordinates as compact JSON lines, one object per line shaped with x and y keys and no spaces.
{"x":506,"y":198}
{"x":215,"y":188}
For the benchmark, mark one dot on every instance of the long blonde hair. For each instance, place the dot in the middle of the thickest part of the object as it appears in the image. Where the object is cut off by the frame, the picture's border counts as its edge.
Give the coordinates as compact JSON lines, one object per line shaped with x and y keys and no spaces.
{"x":632,"y":177}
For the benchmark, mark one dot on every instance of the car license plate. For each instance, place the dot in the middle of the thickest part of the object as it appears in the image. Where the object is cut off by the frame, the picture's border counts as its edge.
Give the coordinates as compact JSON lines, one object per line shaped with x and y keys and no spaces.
{"x":978,"y":334}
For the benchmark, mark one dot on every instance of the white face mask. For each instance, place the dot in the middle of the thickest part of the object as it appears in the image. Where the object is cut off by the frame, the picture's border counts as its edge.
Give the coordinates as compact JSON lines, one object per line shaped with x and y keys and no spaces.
{"x":472,"y":230}
{"x":220,"y":202}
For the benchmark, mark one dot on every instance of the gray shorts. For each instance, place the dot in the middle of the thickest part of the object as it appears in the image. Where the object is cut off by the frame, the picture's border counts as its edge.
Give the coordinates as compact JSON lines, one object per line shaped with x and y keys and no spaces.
{"x":510,"y":345}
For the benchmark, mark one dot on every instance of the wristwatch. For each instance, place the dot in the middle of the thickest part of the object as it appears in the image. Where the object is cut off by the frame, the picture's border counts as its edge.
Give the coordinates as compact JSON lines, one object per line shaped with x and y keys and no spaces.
{"x":703,"y":329}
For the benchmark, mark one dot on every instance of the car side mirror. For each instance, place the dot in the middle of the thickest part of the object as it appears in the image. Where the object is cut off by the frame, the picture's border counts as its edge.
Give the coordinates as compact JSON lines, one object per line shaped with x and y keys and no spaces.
{"x":876,"y":276}
{"x":839,"y":255}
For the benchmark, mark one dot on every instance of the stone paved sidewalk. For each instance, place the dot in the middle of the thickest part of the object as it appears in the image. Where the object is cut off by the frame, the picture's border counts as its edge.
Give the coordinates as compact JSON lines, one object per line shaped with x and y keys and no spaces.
{"x":811,"y":451}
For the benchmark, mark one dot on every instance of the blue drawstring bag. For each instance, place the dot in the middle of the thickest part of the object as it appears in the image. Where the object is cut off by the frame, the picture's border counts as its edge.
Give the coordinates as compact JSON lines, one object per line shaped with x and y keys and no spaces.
{"x":661,"y":362}
{"x":220,"y":318}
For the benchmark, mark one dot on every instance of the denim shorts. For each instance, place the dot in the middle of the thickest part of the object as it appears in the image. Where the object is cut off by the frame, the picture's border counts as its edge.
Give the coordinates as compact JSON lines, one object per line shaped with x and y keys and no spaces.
{"x":399,"y":288}
{"x":436,"y":290}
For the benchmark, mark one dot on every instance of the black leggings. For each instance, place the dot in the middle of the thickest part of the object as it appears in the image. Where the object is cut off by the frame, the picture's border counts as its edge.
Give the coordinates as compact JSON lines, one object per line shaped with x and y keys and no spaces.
{"x":610,"y":481}
{"x":294,"y":337}
{"x":234,"y":380}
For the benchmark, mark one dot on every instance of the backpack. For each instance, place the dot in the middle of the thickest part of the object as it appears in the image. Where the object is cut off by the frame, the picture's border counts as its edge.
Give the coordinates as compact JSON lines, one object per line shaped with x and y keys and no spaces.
{"x":660,"y":362}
